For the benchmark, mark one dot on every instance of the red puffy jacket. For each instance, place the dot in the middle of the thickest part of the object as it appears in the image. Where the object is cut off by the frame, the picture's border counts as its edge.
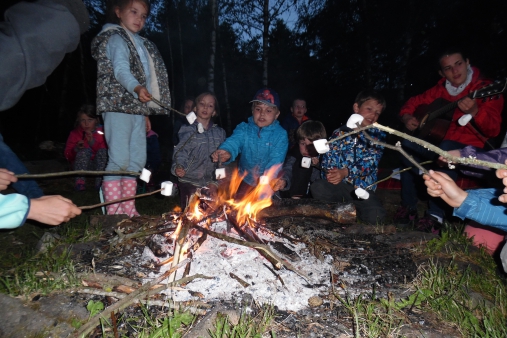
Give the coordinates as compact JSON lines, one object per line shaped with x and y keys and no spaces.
{"x":488,"y":119}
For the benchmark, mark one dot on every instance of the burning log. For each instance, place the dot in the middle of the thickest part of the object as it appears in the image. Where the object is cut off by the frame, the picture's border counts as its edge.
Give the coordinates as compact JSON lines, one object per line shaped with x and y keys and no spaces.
{"x":342,"y":213}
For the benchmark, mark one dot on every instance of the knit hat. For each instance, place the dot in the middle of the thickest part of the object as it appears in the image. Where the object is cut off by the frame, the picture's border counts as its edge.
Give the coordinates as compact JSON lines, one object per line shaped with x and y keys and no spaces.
{"x":267,"y":96}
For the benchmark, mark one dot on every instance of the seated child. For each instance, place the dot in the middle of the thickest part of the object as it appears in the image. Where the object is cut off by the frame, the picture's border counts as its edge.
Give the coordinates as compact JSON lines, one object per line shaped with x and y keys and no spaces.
{"x":353,"y":161}
{"x":296,"y":178}
{"x":485,"y":236}
{"x":191,"y":160}
{"x":86,"y":147}
{"x":261,"y":141}
{"x":480,"y":205}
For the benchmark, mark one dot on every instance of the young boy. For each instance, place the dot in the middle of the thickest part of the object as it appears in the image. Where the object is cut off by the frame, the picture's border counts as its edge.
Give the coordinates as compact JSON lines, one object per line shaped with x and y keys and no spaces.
{"x":353,"y":161}
{"x":262,"y":142}
{"x":296,"y":178}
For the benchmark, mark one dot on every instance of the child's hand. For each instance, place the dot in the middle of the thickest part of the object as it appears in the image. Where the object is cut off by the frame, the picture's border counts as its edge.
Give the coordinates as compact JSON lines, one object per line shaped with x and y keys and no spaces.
{"x":277,"y":184}
{"x":180,"y":172}
{"x":148,"y":123}
{"x":502,"y":174}
{"x":441,"y":185}
{"x":315,"y":160}
{"x":6,"y":177}
{"x":52,"y":210}
{"x":335,"y":175}
{"x":454,"y":153}
{"x":142,"y":93}
{"x":220,"y":155}
{"x":79,"y":145}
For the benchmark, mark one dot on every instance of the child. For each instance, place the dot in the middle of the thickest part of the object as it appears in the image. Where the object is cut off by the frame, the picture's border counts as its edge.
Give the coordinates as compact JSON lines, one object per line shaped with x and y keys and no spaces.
{"x":353,"y":161}
{"x":480,"y":205}
{"x":86,"y":146}
{"x":297,"y":178}
{"x":130,"y":71}
{"x":191,"y":161}
{"x":262,"y":142}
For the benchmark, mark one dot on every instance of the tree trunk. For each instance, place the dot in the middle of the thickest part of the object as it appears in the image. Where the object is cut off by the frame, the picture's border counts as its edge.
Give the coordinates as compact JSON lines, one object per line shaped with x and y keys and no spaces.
{"x":226,"y":96}
{"x":211,"y":69}
{"x":265,"y":44}
{"x":183,"y":78}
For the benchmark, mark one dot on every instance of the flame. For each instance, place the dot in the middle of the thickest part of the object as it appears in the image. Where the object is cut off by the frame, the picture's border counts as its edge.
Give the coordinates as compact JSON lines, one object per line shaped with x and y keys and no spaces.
{"x":256,"y":200}
{"x":177,"y":231}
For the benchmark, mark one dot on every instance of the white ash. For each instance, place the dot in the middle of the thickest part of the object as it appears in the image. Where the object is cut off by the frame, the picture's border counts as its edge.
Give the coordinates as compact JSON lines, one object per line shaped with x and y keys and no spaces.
{"x":216,"y":258}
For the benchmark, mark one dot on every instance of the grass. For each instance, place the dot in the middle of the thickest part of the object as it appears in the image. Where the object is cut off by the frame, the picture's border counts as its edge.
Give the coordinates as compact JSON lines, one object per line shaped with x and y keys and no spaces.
{"x":247,"y":326}
{"x":472,"y":300}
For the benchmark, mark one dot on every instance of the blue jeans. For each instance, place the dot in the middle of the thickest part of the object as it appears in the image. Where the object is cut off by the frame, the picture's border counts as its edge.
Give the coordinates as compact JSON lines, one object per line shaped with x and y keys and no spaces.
{"x":126,"y":142}
{"x":10,"y":161}
{"x":411,"y":180}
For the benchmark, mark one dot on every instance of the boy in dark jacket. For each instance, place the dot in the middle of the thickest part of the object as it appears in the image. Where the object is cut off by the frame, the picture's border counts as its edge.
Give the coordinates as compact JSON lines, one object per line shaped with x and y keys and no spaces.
{"x":353,"y":161}
{"x":297,"y":177}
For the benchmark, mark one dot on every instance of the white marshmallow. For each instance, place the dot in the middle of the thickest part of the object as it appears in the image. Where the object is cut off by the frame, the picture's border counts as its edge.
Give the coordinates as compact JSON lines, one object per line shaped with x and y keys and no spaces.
{"x":362,"y":194}
{"x":463,"y":120}
{"x":200,"y":128}
{"x":263,"y":180}
{"x":191,"y":117}
{"x":220,"y":173}
{"x":321,"y":146}
{"x":306,"y":162}
{"x":353,"y":120}
{"x":167,"y":188}
{"x":145,"y":175}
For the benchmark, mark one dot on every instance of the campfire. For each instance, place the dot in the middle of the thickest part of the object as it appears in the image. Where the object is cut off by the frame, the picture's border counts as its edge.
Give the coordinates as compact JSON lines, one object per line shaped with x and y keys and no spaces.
{"x":225,"y":240}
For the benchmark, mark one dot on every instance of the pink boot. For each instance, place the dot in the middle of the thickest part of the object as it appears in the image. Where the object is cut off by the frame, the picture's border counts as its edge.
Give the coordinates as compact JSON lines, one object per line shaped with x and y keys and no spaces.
{"x":112,"y":191}
{"x":128,"y":189}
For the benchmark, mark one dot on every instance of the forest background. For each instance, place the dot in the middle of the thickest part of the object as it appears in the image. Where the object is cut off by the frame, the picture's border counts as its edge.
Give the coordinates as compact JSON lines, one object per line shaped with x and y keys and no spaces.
{"x":325,"y":51}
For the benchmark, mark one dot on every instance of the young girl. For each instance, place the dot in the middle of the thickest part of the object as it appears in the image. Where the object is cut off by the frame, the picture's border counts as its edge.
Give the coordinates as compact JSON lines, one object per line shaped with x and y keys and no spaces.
{"x":192,"y":156}
{"x":86,"y":146}
{"x":130,"y":72}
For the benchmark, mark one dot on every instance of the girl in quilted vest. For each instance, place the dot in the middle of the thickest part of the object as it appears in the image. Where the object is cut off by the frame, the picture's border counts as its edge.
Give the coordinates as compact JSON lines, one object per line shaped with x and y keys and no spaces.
{"x":130,"y":73}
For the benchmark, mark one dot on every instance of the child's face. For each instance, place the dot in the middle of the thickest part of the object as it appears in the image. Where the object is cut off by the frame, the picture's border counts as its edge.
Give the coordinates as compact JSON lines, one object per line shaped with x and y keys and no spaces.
{"x":133,"y":16}
{"x":370,"y":110}
{"x":303,"y":147}
{"x":264,"y":115}
{"x":87,"y":123}
{"x":187,"y":108}
{"x":205,"y":108}
{"x":298,"y":108}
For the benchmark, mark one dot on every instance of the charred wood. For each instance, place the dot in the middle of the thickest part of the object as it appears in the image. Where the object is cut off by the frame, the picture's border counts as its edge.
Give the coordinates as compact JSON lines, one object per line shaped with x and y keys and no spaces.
{"x":342,"y":213}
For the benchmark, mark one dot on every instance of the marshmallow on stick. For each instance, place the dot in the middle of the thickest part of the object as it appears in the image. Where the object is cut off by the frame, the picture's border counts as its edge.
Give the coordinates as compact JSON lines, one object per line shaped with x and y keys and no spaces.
{"x":354,"y":120}
{"x":362,"y":194}
{"x":321,"y":146}
{"x":191,"y":117}
{"x":167,"y":188}
{"x":145,"y":175}
{"x":306,"y":162}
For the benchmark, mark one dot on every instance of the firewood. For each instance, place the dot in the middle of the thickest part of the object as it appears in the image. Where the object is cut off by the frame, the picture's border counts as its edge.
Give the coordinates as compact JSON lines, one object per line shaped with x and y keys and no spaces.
{"x":342,"y":213}
{"x":240,"y":281}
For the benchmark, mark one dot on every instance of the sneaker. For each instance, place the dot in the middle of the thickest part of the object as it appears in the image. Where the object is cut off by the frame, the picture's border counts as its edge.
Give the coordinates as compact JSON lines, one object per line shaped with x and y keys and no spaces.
{"x":405,"y":216}
{"x":80,"y":185}
{"x":428,"y":224}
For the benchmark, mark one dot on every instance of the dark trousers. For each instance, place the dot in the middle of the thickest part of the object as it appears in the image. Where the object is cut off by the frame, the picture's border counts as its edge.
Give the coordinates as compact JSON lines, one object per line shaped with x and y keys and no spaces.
{"x":411,"y":181}
{"x":368,"y":211}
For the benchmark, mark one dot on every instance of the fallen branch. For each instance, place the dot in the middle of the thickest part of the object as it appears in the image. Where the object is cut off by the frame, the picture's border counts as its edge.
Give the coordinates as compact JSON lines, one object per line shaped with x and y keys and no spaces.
{"x":262,"y":248}
{"x":95,"y":320}
{"x":344,"y":213}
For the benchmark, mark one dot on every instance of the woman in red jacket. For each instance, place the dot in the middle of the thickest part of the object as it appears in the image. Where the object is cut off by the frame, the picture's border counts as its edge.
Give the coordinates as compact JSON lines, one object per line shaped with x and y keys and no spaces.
{"x":86,"y":147}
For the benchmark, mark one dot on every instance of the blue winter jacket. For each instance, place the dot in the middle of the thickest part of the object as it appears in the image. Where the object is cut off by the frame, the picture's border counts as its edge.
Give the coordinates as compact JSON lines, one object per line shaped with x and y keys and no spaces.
{"x":260,"y":148}
{"x":483,"y":206}
{"x":13,"y":210}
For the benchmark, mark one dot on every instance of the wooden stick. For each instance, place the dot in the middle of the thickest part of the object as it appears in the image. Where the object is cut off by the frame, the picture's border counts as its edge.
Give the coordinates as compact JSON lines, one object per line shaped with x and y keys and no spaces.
{"x":78,"y":173}
{"x":166,"y":107}
{"x":395,"y":173}
{"x":429,"y":146}
{"x":119,"y":200}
